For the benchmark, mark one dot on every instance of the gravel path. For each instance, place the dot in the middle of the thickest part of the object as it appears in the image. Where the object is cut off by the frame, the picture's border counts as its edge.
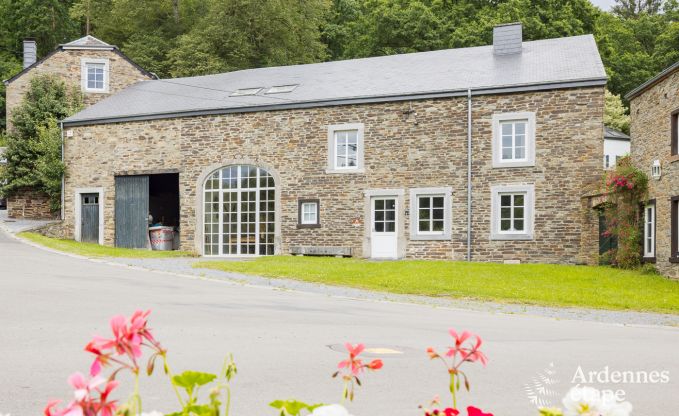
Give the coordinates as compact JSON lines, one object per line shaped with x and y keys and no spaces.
{"x":184,"y":266}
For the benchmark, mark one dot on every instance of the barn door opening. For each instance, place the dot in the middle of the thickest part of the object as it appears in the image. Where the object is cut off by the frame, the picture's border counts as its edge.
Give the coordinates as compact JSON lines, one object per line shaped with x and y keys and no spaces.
{"x":132,"y":211}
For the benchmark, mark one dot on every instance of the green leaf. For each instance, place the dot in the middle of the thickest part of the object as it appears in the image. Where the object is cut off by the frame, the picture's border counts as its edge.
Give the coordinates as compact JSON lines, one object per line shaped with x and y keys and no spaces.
{"x":192,"y":379}
{"x":293,"y":407}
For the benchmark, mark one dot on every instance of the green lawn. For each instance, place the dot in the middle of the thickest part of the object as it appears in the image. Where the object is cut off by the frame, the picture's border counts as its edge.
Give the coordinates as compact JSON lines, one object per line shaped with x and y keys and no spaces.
{"x":95,"y":250}
{"x":538,"y":284}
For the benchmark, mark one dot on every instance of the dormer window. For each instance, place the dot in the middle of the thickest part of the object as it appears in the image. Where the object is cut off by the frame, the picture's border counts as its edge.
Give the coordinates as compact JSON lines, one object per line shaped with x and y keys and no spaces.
{"x":94,"y":74}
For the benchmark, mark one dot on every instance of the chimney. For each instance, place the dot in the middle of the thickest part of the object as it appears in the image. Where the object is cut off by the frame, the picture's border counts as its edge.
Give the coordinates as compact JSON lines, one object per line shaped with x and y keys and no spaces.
{"x":30,"y":52}
{"x":507,"y":39}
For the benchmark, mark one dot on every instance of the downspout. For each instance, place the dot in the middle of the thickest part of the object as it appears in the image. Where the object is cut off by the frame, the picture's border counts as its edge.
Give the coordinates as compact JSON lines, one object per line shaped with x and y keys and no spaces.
{"x":469,"y":174}
{"x":63,"y":175}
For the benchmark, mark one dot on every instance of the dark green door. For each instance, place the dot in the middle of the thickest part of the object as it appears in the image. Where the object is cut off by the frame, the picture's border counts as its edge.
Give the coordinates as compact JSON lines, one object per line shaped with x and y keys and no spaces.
{"x":89,"y":218}
{"x":131,"y":211}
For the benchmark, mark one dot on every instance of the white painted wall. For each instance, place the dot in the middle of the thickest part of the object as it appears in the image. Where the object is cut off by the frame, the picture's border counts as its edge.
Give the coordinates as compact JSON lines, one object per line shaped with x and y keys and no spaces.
{"x":615,"y":149}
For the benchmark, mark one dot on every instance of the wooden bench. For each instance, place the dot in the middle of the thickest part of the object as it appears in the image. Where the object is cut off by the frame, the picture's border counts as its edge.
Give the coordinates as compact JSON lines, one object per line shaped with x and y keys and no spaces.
{"x":320,"y":251}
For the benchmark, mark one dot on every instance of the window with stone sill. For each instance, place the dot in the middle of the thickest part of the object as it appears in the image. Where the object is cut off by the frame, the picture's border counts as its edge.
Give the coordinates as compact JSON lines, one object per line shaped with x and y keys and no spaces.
{"x":430,"y":213}
{"x":513,"y":139}
{"x":345,"y":148}
{"x":512,"y":212}
{"x":94,"y":74}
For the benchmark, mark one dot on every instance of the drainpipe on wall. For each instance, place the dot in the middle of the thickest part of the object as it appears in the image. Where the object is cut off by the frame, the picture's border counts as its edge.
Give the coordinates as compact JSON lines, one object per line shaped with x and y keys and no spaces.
{"x":469,"y":174}
{"x":63,"y":175}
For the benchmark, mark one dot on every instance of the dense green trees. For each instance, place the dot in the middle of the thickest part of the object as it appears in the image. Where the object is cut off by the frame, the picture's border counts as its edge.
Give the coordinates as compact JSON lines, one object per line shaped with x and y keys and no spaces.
{"x":34,"y":145}
{"x":192,"y":37}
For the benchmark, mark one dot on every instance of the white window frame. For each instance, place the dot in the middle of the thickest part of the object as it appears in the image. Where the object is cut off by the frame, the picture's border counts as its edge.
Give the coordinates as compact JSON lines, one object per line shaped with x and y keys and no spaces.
{"x":315,"y":213}
{"x":500,"y":118}
{"x":528,"y":212}
{"x":332,"y":148}
{"x":84,"y":62}
{"x":415,"y":194}
{"x":649,"y":253}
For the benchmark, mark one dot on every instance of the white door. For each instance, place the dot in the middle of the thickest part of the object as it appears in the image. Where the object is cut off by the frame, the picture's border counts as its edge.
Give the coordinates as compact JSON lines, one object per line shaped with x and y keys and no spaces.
{"x":383,"y":237}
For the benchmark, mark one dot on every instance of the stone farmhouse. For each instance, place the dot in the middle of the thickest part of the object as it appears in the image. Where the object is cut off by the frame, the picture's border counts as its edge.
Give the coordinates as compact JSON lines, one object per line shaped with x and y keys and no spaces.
{"x":654,"y":111}
{"x":479,"y":153}
{"x":96,"y":68}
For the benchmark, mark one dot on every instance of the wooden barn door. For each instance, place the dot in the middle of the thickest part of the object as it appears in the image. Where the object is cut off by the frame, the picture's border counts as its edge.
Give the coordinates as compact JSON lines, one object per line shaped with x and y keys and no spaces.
{"x":131,"y":211}
{"x":89,"y":218}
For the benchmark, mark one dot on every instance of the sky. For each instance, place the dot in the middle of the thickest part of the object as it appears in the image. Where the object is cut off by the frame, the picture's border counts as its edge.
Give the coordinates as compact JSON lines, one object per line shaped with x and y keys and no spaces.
{"x":603,"y":4}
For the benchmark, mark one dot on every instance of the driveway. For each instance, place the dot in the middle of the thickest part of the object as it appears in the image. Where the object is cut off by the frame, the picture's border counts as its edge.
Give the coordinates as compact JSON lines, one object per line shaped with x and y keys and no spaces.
{"x":50,"y":304}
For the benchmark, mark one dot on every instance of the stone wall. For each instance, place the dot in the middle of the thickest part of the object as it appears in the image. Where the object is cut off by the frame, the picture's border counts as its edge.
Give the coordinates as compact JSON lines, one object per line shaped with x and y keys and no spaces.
{"x":66,"y":64}
{"x":651,"y":140}
{"x":29,"y":204}
{"x":426,"y":149}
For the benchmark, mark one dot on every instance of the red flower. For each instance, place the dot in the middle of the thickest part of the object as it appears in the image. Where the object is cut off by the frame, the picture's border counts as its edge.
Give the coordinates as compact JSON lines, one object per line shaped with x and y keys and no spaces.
{"x":466,"y":353}
{"x":475,"y":411}
{"x":375,"y":364}
{"x":127,"y":340}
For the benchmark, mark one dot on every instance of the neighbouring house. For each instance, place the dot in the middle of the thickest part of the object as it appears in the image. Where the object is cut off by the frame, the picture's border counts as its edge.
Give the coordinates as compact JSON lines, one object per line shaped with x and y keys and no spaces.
{"x":654,"y":111}
{"x":616,"y":145}
{"x":364,"y":157}
{"x":96,"y":68}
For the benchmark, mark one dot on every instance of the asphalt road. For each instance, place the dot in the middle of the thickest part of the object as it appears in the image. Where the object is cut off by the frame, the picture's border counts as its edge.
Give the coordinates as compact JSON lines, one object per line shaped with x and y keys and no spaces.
{"x":50,"y":305}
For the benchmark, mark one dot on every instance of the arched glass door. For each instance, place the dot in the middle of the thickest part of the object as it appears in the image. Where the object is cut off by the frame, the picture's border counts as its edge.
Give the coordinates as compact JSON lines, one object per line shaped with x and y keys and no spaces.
{"x":239,"y":212}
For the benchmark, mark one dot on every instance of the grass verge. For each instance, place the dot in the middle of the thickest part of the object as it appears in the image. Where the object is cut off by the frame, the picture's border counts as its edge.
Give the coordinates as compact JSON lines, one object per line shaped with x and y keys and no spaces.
{"x":536,"y":284}
{"x":95,"y":250}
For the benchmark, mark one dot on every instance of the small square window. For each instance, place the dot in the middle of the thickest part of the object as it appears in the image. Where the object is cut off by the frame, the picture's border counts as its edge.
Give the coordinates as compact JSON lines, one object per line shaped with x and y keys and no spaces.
{"x":513,"y":139}
{"x":345,"y":148}
{"x":95,"y":75}
{"x":512,"y":208}
{"x":308,"y":214}
{"x":430,"y":213}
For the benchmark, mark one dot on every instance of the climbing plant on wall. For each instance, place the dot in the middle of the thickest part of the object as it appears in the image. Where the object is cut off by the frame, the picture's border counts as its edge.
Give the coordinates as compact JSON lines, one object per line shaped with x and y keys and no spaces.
{"x":626,"y":188}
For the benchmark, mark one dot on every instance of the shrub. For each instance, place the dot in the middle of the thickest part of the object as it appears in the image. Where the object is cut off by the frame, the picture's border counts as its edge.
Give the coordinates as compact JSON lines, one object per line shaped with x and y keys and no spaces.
{"x":627,"y":189}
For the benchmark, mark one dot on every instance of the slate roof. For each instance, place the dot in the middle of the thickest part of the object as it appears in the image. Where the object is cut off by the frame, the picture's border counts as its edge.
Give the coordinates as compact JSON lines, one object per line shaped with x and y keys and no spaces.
{"x":87,"y":42}
{"x":543,"y":64}
{"x":614,"y":134}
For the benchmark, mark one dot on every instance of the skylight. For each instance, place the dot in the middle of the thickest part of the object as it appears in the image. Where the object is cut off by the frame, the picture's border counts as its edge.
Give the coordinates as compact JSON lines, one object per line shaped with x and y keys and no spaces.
{"x":246,"y":91}
{"x":279,"y":89}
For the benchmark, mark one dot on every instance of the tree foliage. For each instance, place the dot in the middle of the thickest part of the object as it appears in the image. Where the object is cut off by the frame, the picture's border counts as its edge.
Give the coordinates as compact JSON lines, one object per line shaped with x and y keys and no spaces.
{"x":34,"y":145}
{"x":171,"y":38}
{"x":615,"y":115}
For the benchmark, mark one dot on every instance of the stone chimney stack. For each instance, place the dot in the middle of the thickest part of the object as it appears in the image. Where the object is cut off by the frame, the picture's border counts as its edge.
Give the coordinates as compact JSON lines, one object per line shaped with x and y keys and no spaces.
{"x":30,"y":52}
{"x":507,"y":39}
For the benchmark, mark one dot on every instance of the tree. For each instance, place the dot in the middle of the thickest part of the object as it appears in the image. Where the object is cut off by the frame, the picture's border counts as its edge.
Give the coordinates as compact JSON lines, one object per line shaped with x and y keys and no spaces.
{"x":47,"y":21}
{"x":9,"y":66}
{"x":635,"y":8}
{"x":615,"y":115}
{"x":238,"y":34}
{"x":34,"y":145}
